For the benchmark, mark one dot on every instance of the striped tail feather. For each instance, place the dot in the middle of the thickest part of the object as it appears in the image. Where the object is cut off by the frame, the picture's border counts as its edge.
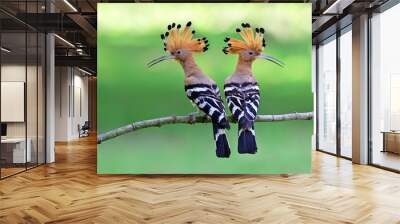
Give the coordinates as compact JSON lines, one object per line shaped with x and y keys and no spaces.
{"x":247,"y":141}
{"x":208,"y":99}
{"x":222,"y":146}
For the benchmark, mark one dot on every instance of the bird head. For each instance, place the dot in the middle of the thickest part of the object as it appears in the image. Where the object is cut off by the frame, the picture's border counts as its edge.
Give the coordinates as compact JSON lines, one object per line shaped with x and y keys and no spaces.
{"x":180,"y":44}
{"x":251,"y":46}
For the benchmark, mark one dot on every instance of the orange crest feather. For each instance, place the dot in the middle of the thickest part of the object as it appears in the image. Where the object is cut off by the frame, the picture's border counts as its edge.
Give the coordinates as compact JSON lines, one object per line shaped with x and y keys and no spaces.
{"x":250,"y":41}
{"x":182,"y":38}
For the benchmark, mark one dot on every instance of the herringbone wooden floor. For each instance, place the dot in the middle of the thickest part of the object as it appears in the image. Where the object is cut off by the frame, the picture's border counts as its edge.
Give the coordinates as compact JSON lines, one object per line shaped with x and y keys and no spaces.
{"x":70,"y":191}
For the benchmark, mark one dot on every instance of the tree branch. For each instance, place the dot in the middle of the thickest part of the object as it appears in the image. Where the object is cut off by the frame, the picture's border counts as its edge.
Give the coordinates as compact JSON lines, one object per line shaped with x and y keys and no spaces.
{"x":188,"y":119}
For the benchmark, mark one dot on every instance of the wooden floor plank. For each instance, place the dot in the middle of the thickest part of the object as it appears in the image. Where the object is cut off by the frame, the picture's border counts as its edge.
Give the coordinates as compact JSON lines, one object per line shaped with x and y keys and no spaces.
{"x":70,"y":191}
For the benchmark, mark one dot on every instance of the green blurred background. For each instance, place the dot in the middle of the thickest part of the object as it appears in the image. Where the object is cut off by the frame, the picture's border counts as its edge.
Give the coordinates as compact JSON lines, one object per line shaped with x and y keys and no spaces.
{"x":128,"y":91}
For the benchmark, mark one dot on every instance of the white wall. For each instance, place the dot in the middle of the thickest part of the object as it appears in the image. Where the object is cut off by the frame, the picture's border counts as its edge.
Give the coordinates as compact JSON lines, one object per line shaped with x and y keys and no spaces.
{"x":62,"y":81}
{"x":13,"y":101}
{"x":12,"y":73}
{"x":17,"y":73}
{"x":71,"y":102}
{"x":33,"y":127}
{"x":80,"y":110}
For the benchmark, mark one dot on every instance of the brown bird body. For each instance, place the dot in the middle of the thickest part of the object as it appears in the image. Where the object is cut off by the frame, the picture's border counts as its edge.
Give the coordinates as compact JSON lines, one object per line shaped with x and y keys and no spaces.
{"x":241,"y":88}
{"x":200,"y":89}
{"x":193,"y":74}
{"x":242,"y":73}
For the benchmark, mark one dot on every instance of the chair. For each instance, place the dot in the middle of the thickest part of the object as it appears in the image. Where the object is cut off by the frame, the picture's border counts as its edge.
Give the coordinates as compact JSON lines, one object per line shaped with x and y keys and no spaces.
{"x":84,"y":130}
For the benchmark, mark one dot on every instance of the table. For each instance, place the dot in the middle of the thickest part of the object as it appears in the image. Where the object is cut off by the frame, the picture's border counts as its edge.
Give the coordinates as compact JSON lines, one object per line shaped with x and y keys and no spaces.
{"x":391,"y":141}
{"x":18,"y":149}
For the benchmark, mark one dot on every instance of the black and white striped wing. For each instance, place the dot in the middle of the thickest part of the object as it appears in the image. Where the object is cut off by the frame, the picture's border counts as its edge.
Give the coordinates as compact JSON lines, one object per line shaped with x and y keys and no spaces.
{"x":243,"y":100}
{"x":208,"y":99}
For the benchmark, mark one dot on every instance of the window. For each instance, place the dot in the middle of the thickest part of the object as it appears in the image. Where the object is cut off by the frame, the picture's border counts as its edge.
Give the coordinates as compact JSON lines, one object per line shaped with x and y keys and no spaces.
{"x":22,"y":78}
{"x":385,"y":89}
{"x":327,"y":96}
{"x":346,"y":93}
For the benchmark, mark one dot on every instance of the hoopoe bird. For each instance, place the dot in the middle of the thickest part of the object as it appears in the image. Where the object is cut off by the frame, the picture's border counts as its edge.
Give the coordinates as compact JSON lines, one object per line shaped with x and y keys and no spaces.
{"x":241,"y":88}
{"x":180,"y":44}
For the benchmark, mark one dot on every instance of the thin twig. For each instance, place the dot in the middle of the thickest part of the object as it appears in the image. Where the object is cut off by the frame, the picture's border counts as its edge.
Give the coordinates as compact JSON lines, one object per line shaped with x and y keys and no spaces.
{"x":188,"y":119}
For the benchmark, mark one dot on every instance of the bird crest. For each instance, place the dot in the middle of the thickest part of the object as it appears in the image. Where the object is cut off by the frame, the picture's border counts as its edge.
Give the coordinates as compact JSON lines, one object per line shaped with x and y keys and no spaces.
{"x":250,"y":41}
{"x":178,"y":37}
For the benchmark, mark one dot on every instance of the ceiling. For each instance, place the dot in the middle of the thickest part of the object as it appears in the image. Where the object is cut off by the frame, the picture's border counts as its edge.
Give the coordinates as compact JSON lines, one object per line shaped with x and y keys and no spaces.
{"x":75,"y":22}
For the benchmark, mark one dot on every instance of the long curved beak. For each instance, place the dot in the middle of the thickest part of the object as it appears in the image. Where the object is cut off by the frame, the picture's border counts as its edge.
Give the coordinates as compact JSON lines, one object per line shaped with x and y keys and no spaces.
{"x":271,"y":59}
{"x":160,"y":59}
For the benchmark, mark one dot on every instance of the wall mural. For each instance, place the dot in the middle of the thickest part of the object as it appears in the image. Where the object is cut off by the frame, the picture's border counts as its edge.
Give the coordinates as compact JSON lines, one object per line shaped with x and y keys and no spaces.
{"x":230,"y":90}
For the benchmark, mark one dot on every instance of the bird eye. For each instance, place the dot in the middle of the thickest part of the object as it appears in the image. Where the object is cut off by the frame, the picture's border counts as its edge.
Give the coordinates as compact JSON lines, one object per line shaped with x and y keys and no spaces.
{"x":251,"y":53}
{"x":178,"y":52}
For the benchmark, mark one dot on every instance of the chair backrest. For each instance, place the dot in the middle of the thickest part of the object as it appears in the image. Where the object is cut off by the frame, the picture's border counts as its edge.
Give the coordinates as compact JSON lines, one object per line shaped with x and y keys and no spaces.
{"x":86,"y":125}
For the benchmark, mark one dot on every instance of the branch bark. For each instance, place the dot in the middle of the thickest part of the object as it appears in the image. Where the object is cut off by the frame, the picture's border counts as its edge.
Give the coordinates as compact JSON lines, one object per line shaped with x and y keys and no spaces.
{"x":188,"y":119}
